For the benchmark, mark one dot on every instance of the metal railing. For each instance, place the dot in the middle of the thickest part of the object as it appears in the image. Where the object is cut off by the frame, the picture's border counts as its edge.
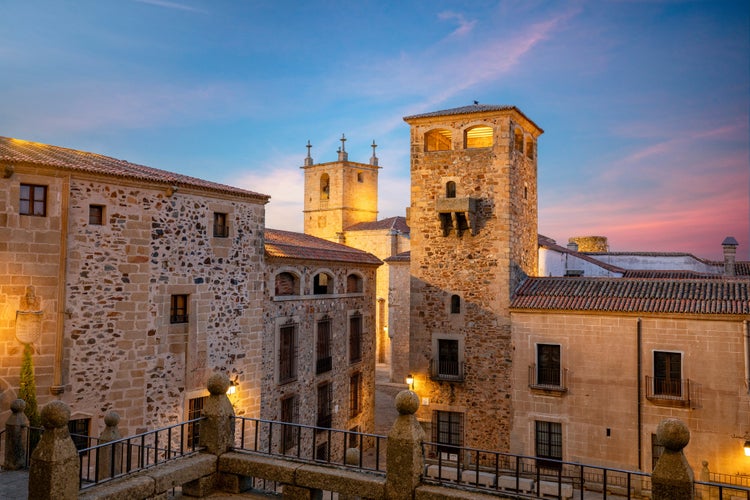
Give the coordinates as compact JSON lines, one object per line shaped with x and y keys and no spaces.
{"x":721,"y":491}
{"x":548,"y":379}
{"x":106,"y":461}
{"x":526,"y":476}
{"x":681,"y":392}
{"x":309,"y":443}
{"x":451,"y":371}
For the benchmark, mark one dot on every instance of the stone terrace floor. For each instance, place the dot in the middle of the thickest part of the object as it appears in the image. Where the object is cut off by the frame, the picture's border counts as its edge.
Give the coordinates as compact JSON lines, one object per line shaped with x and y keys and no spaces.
{"x":14,"y":484}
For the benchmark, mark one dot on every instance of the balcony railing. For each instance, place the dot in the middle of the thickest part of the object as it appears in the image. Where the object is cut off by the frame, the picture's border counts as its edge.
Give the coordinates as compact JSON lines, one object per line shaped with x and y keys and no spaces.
{"x":674,"y":392}
{"x":451,"y":371}
{"x":548,"y":379}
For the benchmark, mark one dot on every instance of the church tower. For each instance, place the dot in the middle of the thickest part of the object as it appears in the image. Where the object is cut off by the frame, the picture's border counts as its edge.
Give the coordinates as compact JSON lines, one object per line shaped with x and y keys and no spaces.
{"x":339,"y":194}
{"x":473,"y":219}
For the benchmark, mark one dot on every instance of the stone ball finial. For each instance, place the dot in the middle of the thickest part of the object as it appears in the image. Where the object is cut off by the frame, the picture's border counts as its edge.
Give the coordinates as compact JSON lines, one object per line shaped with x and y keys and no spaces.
{"x":218,"y":383}
{"x":673,"y":434}
{"x":55,"y":414}
{"x":111,"y":419}
{"x":407,"y":402}
{"x":18,"y":405}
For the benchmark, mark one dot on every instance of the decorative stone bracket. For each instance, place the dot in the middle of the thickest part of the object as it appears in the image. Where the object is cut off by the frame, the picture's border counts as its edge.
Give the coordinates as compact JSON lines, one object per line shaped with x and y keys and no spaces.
{"x":457,"y":213}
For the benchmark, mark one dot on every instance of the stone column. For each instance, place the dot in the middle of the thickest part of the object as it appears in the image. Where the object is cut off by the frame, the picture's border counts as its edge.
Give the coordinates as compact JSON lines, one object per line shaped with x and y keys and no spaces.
{"x":55,"y":469}
{"x":672,"y":478}
{"x":405,"y":460}
{"x":16,"y":432}
{"x":109,"y":458}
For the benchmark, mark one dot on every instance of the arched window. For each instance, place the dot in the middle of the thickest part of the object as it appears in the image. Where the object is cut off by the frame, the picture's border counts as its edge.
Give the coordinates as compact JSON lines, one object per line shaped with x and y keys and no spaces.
{"x":325,"y":186}
{"x":286,"y":284}
{"x":322,"y":284}
{"x":354,"y":284}
{"x":529,"y":148}
{"x":479,"y":136}
{"x":437,"y":140}
{"x":455,"y":304}
{"x":450,"y":189}
{"x":518,"y":139}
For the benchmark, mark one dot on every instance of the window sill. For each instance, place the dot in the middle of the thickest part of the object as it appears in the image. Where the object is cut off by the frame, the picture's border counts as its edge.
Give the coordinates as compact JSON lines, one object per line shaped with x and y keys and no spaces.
{"x":548,"y":390}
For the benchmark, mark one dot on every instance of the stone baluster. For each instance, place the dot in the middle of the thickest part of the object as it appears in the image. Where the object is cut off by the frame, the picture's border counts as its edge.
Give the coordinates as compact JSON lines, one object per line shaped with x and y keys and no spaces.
{"x":405,"y":460}
{"x":109,"y":458}
{"x":55,"y":470}
{"x":672,"y":478}
{"x":16,"y":432}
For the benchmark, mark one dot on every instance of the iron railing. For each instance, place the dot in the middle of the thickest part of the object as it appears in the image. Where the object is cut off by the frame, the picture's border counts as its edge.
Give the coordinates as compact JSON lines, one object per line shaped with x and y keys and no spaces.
{"x":309,"y":443}
{"x":548,"y":379}
{"x":451,"y":371}
{"x":679,"y":392}
{"x":106,"y":461}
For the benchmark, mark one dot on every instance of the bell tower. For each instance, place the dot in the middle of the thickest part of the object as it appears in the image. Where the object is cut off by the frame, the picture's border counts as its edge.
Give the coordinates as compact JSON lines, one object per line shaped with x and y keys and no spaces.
{"x":473,"y":219}
{"x":339,"y":194}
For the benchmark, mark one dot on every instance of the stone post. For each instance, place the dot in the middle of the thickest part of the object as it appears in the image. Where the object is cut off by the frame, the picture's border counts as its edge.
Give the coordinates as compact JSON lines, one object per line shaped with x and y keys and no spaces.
{"x":109,"y":458}
{"x":16,"y":432}
{"x":55,"y":469}
{"x":672,"y":478}
{"x":405,"y":460}
{"x":216,"y":432}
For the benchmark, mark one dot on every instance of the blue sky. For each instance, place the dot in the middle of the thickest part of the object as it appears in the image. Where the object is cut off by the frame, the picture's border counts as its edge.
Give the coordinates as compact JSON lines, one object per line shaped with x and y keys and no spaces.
{"x":644,"y":103}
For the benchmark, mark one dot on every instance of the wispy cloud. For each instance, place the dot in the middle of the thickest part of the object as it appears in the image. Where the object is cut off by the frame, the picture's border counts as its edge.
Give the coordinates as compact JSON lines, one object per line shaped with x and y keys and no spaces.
{"x":465,"y":26}
{"x":171,"y":5}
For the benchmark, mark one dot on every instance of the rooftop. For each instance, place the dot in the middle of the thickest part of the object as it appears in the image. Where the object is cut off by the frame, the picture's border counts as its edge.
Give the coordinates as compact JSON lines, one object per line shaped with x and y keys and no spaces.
{"x":473,"y":108}
{"x":291,"y":245}
{"x":397,"y":223}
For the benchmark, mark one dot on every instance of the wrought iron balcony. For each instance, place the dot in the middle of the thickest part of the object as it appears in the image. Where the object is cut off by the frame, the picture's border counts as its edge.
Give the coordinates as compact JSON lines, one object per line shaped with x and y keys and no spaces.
{"x":547,"y":379}
{"x":451,"y":371}
{"x":672,"y":392}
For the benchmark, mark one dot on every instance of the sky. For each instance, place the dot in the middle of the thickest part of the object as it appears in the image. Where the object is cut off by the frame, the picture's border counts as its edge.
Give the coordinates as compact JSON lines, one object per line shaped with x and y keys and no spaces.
{"x":644,"y":104}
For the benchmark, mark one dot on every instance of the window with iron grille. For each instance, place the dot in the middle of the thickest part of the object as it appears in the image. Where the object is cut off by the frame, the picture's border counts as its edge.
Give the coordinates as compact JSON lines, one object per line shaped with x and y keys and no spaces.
{"x":355,"y":338}
{"x":195,"y":410}
{"x":448,"y":430}
{"x":548,"y":365}
{"x":221,"y":225}
{"x":355,"y":395}
{"x":548,"y":440}
{"x":325,"y":397}
{"x":323,"y":355}
{"x":287,"y":353}
{"x":448,"y":358}
{"x":96,"y":215}
{"x":290,"y":414}
{"x":667,"y":373}
{"x":33,"y":200}
{"x":178,"y":309}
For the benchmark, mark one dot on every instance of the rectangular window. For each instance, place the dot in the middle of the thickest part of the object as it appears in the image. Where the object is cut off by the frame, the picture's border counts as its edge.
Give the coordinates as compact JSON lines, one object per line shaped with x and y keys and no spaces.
{"x":287,"y":353}
{"x":325,"y":397}
{"x":33,"y":200}
{"x":355,"y":395}
{"x":448,"y":363}
{"x":448,"y":430}
{"x":667,"y":374}
{"x":96,"y":215}
{"x":548,"y":365}
{"x":195,"y":410}
{"x":355,"y":338}
{"x":290,"y":414}
{"x":548,"y":440}
{"x":221,"y":225}
{"x":323,"y":356}
{"x":79,"y":431}
{"x":178,"y":309}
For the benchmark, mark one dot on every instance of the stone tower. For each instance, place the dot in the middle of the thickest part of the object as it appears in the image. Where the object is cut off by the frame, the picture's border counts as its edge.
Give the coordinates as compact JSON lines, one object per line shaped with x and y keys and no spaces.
{"x":473,"y":219}
{"x":339,"y":194}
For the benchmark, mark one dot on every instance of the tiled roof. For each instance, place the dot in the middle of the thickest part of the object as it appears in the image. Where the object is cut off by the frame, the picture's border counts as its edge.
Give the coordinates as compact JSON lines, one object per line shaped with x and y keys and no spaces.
{"x":291,"y":245}
{"x":465,"y":110}
{"x":19,"y":151}
{"x":694,"y":296}
{"x":667,"y":274}
{"x":400,"y":257}
{"x":397,"y":223}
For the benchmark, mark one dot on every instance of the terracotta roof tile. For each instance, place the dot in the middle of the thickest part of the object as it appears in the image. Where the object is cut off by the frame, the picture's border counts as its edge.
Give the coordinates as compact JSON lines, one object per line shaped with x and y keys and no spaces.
{"x":19,"y":151}
{"x":397,"y":223}
{"x":685,"y":296}
{"x":291,"y":245}
{"x":465,"y":110}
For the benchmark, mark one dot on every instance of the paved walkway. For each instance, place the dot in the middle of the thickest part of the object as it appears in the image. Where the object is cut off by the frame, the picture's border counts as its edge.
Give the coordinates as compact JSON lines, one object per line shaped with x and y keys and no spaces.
{"x":14,"y":484}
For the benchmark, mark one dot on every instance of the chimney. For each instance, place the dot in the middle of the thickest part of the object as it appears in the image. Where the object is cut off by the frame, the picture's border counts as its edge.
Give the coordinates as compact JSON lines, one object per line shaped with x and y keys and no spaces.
{"x":572,"y":246}
{"x":730,"y":250}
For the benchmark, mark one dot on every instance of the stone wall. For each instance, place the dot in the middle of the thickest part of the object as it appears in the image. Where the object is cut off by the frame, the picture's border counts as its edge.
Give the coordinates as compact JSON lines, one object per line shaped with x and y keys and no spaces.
{"x":599,"y":408}
{"x":482,"y":266}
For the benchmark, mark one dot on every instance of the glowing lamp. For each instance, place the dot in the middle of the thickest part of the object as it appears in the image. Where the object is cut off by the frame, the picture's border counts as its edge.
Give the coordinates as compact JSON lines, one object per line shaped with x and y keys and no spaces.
{"x":746,"y":446}
{"x":410,"y":381}
{"x":232,"y":388}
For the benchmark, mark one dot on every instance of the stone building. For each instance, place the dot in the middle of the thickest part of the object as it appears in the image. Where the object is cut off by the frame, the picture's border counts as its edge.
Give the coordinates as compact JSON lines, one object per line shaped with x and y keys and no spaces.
{"x":319,"y":344}
{"x":132,"y":285}
{"x":473,"y":219}
{"x":599,"y":362}
{"x":341,"y":205}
